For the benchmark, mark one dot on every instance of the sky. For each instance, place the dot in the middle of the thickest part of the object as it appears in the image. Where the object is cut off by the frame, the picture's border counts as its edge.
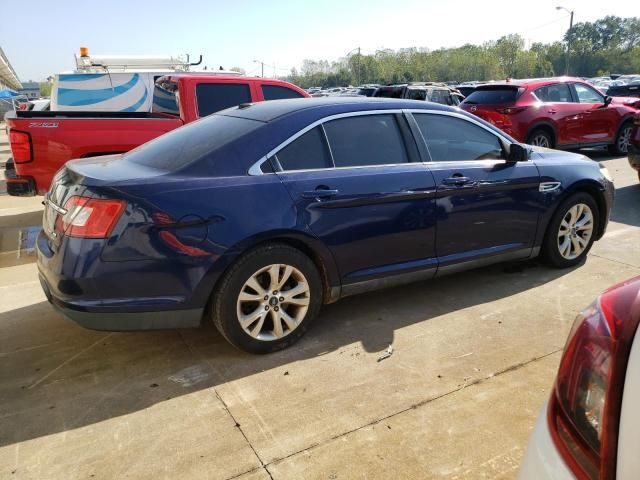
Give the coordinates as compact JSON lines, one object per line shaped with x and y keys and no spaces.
{"x":236,"y":33}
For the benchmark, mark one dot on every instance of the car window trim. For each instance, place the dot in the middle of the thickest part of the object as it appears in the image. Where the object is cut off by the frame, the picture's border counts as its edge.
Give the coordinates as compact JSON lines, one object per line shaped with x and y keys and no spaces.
{"x":503,"y":140}
{"x":255,"y":168}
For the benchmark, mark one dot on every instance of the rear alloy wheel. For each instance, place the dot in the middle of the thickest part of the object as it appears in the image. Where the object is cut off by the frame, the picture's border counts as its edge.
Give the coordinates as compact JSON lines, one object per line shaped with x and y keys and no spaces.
{"x":267,"y":300}
{"x":571,"y":231}
{"x":621,"y":146}
{"x":540,"y":138}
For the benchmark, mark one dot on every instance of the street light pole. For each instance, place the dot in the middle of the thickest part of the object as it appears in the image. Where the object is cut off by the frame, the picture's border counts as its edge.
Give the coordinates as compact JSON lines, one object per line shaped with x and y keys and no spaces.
{"x":262,"y":66}
{"x":568,"y":54}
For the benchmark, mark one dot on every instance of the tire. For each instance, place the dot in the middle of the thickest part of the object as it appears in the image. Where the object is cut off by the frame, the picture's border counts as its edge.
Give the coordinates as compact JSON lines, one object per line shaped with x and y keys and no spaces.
{"x":541,"y":138}
{"x":621,"y":146}
{"x":554,"y":249}
{"x":264,"y":310}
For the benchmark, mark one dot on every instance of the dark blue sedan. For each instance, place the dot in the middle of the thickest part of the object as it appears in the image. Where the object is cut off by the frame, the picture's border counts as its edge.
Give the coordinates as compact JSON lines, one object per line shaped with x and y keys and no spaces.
{"x":257,"y":215}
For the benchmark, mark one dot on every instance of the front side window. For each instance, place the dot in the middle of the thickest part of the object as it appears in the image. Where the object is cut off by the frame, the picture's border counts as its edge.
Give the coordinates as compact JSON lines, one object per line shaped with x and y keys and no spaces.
{"x":276,"y":92}
{"x":213,"y":97}
{"x":557,"y":93}
{"x":308,"y":151}
{"x":366,"y":140}
{"x":588,"y":94}
{"x":454,"y":139}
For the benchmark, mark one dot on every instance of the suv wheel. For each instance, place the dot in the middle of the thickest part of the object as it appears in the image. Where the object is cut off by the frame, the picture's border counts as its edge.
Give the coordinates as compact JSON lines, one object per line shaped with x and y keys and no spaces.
{"x":540,"y":138}
{"x":267,"y":299}
{"x":621,"y":145}
{"x":571,"y":232}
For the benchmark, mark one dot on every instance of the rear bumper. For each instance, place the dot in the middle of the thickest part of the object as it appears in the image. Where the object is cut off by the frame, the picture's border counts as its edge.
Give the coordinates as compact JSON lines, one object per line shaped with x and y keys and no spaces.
{"x":19,"y":186}
{"x":542,"y":460}
{"x":110,"y":319}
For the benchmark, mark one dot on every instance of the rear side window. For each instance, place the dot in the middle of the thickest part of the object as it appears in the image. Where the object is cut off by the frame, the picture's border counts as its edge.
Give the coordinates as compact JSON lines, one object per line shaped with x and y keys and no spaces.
{"x":454,"y":139}
{"x":306,"y":152}
{"x":441,"y":96}
{"x":276,"y":92}
{"x":366,"y":140}
{"x":187,"y":144}
{"x":493,"y":96}
{"x":213,"y":97}
{"x":415,"y":94}
{"x":557,"y":93}
{"x":165,"y":98}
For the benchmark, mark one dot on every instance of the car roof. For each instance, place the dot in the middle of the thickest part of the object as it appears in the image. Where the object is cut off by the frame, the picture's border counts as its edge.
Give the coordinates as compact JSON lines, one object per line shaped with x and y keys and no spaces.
{"x":325,"y":106}
{"x":529,"y":82}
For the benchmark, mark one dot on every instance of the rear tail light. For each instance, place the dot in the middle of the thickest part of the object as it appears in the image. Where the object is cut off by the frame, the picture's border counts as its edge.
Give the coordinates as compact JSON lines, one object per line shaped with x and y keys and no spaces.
{"x":584,"y":411}
{"x":90,"y":217}
{"x":20,"y":146}
{"x":510,"y":110}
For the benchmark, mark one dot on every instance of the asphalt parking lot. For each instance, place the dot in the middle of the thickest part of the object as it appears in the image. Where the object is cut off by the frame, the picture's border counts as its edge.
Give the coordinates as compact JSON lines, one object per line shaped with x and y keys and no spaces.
{"x":474,"y":357}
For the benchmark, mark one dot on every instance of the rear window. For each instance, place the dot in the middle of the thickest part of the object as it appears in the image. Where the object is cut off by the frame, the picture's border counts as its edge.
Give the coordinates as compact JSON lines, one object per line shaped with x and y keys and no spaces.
{"x":493,"y":96}
{"x":213,"y":97}
{"x":276,"y":92}
{"x":178,"y":148}
{"x":389,"y":92}
{"x":165,"y":98}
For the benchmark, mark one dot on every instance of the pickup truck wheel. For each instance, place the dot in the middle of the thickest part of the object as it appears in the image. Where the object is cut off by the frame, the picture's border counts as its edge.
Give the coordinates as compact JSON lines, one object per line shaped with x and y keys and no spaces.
{"x":571,"y":231}
{"x":621,"y":146}
{"x":267,"y":299}
{"x":540,"y":138}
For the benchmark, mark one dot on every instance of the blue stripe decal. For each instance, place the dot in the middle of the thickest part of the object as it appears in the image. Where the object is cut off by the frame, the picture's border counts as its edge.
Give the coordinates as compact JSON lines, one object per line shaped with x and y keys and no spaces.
{"x":80,"y":77}
{"x":168,"y":103}
{"x":138,"y":104}
{"x":74,"y":98}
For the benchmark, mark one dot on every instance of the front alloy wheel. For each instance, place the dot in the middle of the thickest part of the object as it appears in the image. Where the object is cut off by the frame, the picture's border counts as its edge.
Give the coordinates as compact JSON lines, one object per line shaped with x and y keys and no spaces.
{"x":571,"y":231}
{"x":273,"y":302}
{"x":575,"y":231}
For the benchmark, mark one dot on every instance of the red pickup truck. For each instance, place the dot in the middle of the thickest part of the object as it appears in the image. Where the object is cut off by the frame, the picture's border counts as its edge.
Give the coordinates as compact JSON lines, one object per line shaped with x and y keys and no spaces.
{"x":42,"y":142}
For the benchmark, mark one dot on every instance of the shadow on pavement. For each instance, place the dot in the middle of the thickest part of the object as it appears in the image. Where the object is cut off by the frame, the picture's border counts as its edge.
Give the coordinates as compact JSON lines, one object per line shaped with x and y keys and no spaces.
{"x":56,"y":376}
{"x":627,"y":205}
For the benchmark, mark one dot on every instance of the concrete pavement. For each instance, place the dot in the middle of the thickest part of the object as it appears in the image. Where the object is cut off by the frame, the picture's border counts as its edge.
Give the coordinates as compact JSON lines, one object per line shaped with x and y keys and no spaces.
{"x":474,"y":359}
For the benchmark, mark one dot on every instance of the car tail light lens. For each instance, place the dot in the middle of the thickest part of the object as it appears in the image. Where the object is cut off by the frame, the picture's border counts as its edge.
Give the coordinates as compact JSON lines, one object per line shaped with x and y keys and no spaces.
{"x":510,"y":110}
{"x":584,"y":411}
{"x":90,"y":217}
{"x":20,"y":146}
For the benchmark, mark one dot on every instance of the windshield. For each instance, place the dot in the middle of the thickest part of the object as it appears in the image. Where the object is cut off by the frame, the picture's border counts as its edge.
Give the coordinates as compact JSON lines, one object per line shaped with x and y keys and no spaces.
{"x":178,"y":148}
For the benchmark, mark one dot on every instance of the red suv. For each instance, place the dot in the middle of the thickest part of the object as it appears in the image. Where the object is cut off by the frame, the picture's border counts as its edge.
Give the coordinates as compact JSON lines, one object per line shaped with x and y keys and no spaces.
{"x":556,"y":113}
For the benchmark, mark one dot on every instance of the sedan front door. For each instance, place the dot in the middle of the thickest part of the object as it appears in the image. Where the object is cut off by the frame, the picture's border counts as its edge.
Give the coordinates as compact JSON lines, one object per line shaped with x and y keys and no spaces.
{"x":486,"y":205}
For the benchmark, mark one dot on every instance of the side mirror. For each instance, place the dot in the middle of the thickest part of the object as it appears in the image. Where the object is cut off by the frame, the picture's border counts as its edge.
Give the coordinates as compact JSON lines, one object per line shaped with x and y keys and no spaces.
{"x":607,"y":100}
{"x":518,"y":153}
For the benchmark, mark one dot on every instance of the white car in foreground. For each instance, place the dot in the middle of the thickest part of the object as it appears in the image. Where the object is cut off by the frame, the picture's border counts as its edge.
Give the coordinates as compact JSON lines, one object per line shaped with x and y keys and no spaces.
{"x":590,"y":427}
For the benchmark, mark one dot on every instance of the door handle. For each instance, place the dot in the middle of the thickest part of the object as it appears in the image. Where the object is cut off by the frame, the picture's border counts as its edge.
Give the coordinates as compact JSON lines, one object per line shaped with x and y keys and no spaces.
{"x":552,"y":111}
{"x":320,"y":193}
{"x":457,"y":181}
